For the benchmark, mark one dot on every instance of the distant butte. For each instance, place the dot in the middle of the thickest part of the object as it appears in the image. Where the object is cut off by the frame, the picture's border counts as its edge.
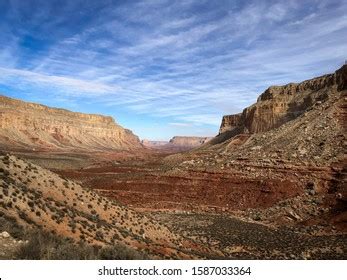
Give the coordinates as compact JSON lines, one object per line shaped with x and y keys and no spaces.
{"x":177,"y":143}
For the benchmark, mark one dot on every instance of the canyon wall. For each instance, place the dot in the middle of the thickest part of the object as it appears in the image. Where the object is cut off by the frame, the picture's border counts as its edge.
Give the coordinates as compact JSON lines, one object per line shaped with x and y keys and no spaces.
{"x":33,"y":126}
{"x":280,"y":104}
{"x":229,"y":122}
{"x":188,"y":141}
{"x":176,"y":143}
{"x":153,"y":143}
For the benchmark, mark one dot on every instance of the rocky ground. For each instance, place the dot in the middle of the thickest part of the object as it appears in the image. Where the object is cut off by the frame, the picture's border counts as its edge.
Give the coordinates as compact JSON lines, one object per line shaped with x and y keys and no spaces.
{"x":8,"y":246}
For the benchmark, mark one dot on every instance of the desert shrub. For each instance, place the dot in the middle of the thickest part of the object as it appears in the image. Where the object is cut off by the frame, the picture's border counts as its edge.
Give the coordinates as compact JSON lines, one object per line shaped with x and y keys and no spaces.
{"x":47,"y":246}
{"x":10,"y":225}
{"x":99,"y":235}
{"x":25,"y":217}
{"x":124,"y":232}
{"x":115,"y":237}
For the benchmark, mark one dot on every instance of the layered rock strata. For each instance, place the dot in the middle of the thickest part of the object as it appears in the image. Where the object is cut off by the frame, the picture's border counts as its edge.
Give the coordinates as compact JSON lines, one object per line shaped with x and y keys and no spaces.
{"x":280,"y":104}
{"x":33,"y":126}
{"x":189,"y":141}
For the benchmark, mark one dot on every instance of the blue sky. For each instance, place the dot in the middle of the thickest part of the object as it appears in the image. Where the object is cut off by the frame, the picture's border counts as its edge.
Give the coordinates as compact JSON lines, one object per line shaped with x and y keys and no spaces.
{"x":164,"y":68}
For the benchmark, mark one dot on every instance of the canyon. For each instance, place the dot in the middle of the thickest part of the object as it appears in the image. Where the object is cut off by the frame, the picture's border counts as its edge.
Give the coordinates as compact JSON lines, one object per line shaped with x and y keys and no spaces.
{"x":277,"y":168}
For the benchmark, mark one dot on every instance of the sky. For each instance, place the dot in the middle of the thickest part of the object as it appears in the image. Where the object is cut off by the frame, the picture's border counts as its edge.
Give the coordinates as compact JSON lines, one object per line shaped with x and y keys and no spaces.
{"x":162,"y":67}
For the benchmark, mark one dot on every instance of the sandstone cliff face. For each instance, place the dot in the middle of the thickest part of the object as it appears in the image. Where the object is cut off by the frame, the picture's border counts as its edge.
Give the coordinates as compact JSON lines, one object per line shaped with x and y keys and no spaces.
{"x":280,"y":104}
{"x":229,"y":122}
{"x":32,"y":126}
{"x":187,"y":141}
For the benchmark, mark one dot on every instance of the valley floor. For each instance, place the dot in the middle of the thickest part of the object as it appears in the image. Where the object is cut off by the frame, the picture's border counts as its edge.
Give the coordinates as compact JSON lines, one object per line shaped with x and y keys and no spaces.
{"x":217,"y":208}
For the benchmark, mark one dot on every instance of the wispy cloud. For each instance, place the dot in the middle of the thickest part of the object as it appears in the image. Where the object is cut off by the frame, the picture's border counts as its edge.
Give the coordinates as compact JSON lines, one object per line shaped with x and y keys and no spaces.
{"x":183,"y":62}
{"x":70,"y":85}
{"x":182,"y":124}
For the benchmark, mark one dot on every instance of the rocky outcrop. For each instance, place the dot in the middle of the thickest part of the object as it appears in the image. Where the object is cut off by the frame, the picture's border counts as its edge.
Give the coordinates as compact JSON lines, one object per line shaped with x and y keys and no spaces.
{"x":33,"y":126}
{"x":229,"y":122}
{"x":188,"y":141}
{"x":280,"y":104}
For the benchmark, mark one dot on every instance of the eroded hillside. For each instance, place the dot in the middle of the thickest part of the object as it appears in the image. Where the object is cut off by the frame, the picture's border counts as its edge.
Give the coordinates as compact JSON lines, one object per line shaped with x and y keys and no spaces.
{"x":38,"y":198}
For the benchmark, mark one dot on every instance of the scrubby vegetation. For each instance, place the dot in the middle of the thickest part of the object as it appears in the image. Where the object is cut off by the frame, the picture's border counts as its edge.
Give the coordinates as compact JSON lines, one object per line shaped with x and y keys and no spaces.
{"x":47,"y":246}
{"x":42,"y":245}
{"x":10,"y":225}
{"x":55,"y":206}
